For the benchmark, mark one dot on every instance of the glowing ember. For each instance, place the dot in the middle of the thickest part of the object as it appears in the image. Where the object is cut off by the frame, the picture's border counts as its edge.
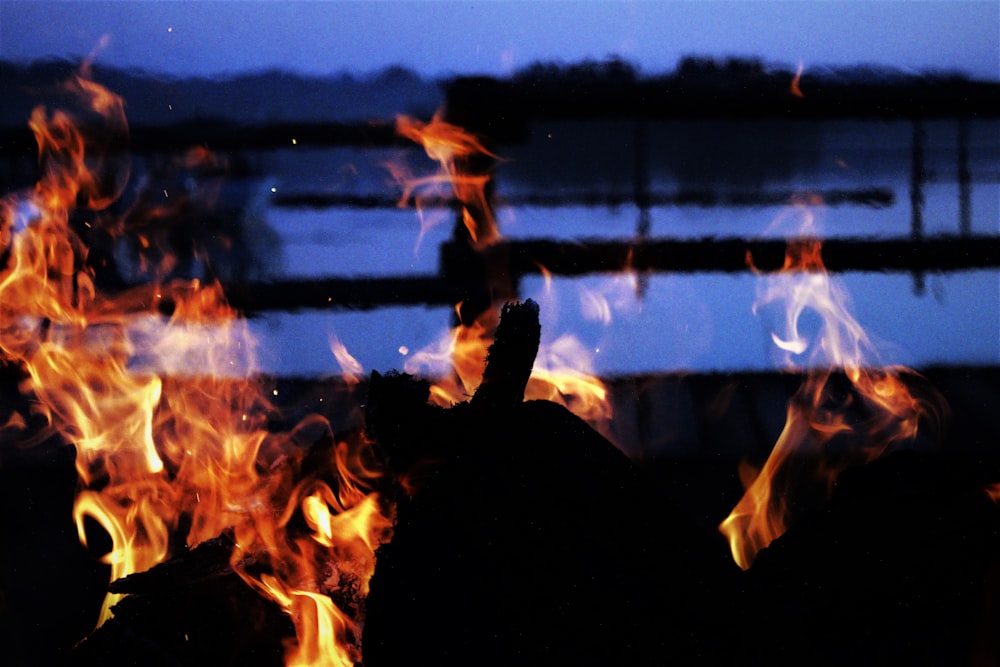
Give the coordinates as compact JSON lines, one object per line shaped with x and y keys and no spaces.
{"x":834,"y":421}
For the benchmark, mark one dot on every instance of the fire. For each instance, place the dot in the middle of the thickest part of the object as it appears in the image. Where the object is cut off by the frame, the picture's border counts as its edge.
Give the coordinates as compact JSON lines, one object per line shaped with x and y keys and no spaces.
{"x":167,"y":412}
{"x":351,"y":368}
{"x":848,"y":410}
{"x":456,"y":151}
{"x":993,"y":491}
{"x":457,"y":359}
{"x":563,"y":372}
{"x":794,"y":88}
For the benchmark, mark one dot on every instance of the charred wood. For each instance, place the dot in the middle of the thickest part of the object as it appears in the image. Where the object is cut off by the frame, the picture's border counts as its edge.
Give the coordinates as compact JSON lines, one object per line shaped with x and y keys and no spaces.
{"x":527,"y":537}
{"x":510,"y":359}
{"x":193,"y":609}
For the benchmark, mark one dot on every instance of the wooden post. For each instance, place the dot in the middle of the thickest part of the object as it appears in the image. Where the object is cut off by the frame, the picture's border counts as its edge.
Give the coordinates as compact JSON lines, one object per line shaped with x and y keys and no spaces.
{"x":918,"y":177}
{"x":964,"y":180}
{"x":641,"y":195}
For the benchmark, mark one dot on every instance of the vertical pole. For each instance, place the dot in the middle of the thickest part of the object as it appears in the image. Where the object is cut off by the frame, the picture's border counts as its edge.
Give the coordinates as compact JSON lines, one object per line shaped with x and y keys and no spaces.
{"x":918,"y":176}
{"x":964,"y":180}
{"x":640,"y":193}
{"x":640,"y":174}
{"x":483,"y":273}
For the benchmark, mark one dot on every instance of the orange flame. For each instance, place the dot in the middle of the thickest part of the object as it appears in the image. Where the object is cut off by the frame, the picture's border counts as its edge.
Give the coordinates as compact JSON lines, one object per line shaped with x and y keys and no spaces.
{"x":166,"y":413}
{"x":875,"y":412}
{"x":796,"y":80}
{"x":562,"y":372}
{"x":456,"y":360}
{"x":351,"y":369}
{"x":455,"y":150}
{"x":993,"y":491}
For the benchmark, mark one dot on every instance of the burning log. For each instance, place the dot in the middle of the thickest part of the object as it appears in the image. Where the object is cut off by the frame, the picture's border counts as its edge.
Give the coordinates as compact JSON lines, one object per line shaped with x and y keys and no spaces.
{"x":197,"y":608}
{"x":192,"y":609}
{"x":523,"y":535}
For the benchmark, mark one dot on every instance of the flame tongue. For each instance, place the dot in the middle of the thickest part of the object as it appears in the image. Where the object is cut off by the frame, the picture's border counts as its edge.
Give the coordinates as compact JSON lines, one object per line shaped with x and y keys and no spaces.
{"x":847,"y":411}
{"x":562,"y":373}
{"x":456,"y":151}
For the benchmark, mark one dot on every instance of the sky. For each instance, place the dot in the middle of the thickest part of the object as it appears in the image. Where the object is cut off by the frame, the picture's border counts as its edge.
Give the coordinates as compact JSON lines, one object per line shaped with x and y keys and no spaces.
{"x":451,"y":37}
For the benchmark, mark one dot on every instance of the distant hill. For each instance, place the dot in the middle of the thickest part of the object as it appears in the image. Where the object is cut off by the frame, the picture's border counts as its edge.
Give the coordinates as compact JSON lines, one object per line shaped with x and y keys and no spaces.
{"x":252,"y":99}
{"x":280,"y":104}
{"x":701,"y":88}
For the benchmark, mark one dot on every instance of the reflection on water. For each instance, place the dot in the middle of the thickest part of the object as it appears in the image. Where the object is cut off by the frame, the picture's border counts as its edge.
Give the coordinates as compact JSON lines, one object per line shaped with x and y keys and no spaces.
{"x":684,"y":323}
{"x":306,"y":212}
{"x":625,"y":179}
{"x":722,"y":178}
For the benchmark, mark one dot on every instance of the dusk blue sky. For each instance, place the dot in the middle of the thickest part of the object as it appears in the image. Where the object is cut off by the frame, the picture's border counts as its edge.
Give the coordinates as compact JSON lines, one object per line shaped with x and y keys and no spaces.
{"x":444,"y":37}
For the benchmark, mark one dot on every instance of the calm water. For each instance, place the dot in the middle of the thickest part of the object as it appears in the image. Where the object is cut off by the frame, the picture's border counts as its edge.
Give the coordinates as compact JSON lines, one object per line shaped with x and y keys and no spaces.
{"x":696,"y":322}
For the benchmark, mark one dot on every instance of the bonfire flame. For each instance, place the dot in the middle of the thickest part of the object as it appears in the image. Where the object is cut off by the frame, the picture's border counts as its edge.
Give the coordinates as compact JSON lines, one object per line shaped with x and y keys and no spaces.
{"x":848,"y":410}
{"x":794,"y":88}
{"x":563,"y":371}
{"x":993,"y":491}
{"x":455,"y":150}
{"x":166,"y":412}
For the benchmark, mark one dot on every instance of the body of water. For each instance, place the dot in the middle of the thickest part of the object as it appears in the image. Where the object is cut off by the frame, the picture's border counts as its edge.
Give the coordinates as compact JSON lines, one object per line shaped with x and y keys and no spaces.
{"x":932,"y":178}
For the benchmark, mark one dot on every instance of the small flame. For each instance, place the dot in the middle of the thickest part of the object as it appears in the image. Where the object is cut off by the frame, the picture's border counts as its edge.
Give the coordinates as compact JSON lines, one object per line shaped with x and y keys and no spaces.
{"x":455,"y":150}
{"x":595,"y":307}
{"x":993,"y":491}
{"x":563,"y":372}
{"x":878,"y":412}
{"x":456,"y":359}
{"x":796,"y":80}
{"x":351,"y":369}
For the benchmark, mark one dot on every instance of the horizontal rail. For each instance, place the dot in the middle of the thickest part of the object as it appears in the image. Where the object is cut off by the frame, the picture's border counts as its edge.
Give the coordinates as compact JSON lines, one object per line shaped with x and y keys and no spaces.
{"x":463,"y":267}
{"x":940,"y":253}
{"x":871,"y":197}
{"x":223,"y":135}
{"x":360,"y":293}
